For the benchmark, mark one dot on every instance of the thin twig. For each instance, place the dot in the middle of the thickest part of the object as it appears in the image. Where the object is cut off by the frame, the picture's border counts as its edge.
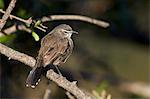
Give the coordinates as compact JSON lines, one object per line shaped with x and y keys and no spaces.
{"x":28,"y":21}
{"x":76,"y":17}
{"x":13,"y":29}
{"x":40,"y":28}
{"x":45,"y":27}
{"x":65,"y":17}
{"x":23,"y":28}
{"x":61,"y":17}
{"x":7,"y":14}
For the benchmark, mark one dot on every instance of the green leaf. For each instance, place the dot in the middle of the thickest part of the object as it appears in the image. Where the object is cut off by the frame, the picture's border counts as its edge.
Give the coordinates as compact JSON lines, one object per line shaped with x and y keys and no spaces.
{"x":37,"y":23}
{"x":1,"y":4}
{"x":35,"y":36}
{"x":7,"y":38}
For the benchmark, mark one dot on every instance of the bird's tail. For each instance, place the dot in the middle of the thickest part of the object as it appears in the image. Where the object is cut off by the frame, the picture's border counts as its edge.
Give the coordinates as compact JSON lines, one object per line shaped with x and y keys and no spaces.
{"x":34,"y":76}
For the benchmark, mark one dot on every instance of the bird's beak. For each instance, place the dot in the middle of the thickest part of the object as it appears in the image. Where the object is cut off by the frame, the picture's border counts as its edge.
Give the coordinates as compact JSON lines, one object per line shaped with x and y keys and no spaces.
{"x":75,"y":32}
{"x":71,"y":31}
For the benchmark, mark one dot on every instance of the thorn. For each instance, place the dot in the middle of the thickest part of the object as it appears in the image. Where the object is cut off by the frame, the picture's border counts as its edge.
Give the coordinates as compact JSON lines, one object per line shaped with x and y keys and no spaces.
{"x":33,"y":86}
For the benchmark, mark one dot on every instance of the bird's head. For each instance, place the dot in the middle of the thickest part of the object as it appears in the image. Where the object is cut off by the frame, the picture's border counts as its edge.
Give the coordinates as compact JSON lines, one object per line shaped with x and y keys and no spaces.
{"x":64,"y":31}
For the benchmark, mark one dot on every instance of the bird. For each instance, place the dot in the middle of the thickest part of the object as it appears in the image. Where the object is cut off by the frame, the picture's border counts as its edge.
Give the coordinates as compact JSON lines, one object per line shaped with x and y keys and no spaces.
{"x":56,"y":47}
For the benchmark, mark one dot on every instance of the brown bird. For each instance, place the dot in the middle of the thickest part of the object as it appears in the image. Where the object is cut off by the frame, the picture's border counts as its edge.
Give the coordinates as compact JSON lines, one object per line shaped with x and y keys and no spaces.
{"x":55,"y":49}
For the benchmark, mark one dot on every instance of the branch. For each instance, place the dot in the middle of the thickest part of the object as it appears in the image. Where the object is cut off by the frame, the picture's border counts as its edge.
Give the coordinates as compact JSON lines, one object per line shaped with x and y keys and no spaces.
{"x":69,"y":86}
{"x":131,"y":87}
{"x":59,"y":80}
{"x":14,"y":28}
{"x":59,"y":17}
{"x":12,"y":54}
{"x":76,"y":17}
{"x":136,"y":88}
{"x":64,"y":17}
{"x":7,"y":14}
{"x":28,"y":21}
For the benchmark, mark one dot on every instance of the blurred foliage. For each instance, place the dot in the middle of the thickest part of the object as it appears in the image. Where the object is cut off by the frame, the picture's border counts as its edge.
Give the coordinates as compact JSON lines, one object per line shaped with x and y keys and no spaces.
{"x":99,"y":54}
{"x":103,"y":85}
{"x":1,"y":4}
{"x":102,"y":95}
{"x":36,"y":37}
{"x":7,"y":38}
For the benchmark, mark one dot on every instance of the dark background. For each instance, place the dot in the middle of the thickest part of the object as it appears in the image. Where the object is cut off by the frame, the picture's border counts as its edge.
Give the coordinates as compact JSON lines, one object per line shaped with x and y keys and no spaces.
{"x":100,"y":55}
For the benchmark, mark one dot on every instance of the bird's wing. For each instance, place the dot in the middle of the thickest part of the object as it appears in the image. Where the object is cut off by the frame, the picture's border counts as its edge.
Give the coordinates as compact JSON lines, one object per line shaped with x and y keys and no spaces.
{"x":54,"y":50}
{"x":47,"y":50}
{"x":47,"y":43}
{"x":66,"y":53}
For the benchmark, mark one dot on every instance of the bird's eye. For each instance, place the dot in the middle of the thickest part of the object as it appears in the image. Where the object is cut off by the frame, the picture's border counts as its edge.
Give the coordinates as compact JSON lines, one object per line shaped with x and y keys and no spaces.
{"x":65,"y":32}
